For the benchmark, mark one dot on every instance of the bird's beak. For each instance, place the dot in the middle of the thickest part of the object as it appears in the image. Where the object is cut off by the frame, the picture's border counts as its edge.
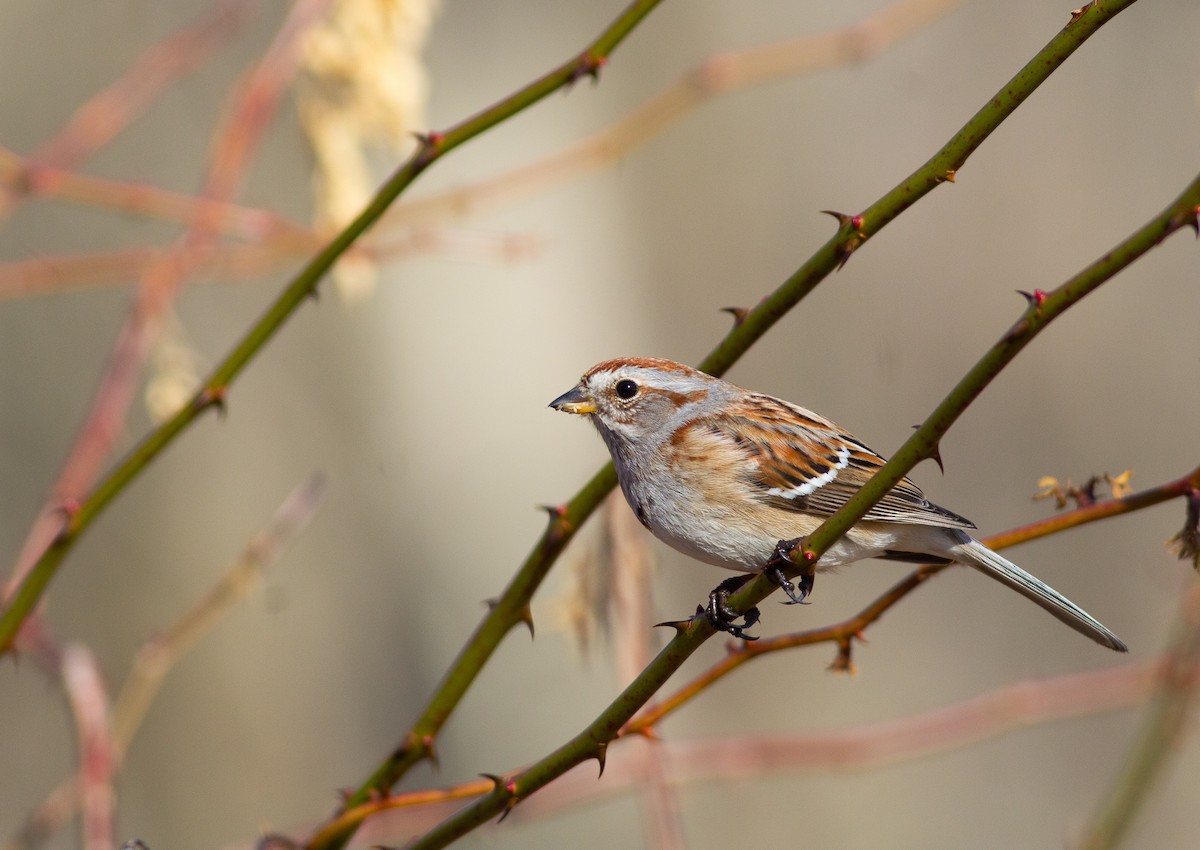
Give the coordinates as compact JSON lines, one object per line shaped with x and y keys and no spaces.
{"x":574,"y":400}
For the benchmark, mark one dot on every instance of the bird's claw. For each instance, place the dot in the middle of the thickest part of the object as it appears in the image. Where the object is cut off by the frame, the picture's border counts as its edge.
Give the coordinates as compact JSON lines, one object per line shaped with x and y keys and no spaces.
{"x":782,"y":558}
{"x":722,"y":617}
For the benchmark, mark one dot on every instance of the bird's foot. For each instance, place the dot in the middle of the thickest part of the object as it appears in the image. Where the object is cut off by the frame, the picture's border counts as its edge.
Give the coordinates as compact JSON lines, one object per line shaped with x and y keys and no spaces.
{"x":724,"y":618}
{"x":782,"y":557}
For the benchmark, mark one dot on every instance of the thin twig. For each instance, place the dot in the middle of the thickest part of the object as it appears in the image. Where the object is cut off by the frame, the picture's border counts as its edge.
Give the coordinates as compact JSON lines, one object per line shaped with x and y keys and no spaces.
{"x":630,"y":562}
{"x":258,"y":94}
{"x":162,"y":653}
{"x":845,"y":632}
{"x":714,"y":76}
{"x":1019,"y":705}
{"x":110,"y":111}
{"x":277,"y":239}
{"x":88,"y":697}
{"x":1166,"y":723}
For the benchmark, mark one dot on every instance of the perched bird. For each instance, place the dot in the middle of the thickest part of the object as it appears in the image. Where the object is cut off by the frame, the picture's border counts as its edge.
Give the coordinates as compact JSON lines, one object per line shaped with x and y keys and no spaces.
{"x":734,"y":478}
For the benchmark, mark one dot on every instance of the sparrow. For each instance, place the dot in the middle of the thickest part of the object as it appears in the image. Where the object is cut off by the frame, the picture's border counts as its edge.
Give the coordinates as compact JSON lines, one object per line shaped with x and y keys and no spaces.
{"x":738,"y":479}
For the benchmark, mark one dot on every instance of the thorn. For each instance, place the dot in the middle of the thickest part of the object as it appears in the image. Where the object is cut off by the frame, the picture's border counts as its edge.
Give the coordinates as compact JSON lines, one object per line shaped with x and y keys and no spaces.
{"x":1076,"y":14}
{"x":678,"y":625}
{"x":558,"y":522}
{"x":526,"y":617}
{"x":1186,"y":544}
{"x":497,"y":781}
{"x":935,"y":454}
{"x":508,"y":807}
{"x":588,"y":66}
{"x":429,"y":745}
{"x":850,"y":245}
{"x":1189,"y":218}
{"x":1036,"y":298}
{"x":428,"y":140}
{"x":507,"y":787}
{"x":846,"y":249}
{"x":739,"y":314}
{"x":428,"y":151}
{"x":950,"y":174}
{"x":213,"y":397}
{"x":601,"y":756}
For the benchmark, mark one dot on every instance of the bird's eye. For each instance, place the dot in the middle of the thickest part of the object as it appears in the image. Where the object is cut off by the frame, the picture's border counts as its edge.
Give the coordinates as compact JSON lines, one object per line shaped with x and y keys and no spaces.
{"x":627,"y":389}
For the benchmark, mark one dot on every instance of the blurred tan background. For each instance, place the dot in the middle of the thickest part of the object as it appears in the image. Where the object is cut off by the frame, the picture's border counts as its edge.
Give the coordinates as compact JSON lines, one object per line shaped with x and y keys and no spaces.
{"x":424,"y":404}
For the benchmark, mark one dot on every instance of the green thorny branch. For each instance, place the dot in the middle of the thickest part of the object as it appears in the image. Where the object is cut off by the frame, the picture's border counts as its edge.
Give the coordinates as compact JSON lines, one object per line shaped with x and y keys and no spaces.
{"x":1043,"y":308}
{"x":511,"y":608}
{"x":77,"y":518}
{"x":841,"y":633}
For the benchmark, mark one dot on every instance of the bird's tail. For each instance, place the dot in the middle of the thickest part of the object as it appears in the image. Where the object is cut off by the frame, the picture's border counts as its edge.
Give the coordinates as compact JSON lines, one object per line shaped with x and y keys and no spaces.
{"x":975,"y":554}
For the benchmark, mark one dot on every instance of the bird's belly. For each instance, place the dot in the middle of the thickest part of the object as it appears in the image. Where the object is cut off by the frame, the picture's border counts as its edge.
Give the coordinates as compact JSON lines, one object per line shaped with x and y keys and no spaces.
{"x":717,"y":535}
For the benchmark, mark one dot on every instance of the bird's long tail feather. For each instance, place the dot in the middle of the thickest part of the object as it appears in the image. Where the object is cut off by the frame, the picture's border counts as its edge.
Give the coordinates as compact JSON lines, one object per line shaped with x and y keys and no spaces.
{"x":975,"y":554}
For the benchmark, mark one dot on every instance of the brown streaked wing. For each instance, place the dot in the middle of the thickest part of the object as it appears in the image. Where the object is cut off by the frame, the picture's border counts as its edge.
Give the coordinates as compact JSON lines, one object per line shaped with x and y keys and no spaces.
{"x":792,"y":449}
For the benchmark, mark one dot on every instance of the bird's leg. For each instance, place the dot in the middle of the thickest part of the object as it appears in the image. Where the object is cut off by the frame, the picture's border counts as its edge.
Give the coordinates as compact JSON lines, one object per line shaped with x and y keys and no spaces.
{"x":722,"y":616}
{"x":783,"y":558}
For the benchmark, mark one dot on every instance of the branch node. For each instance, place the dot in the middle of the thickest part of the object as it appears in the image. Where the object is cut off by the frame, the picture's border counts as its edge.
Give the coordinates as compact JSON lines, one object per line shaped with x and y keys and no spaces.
{"x":430,"y":147}
{"x":213,"y":397}
{"x":1188,"y":218}
{"x":588,"y":65}
{"x":1036,"y":299}
{"x":843,"y":662}
{"x":506,"y":788}
{"x":851,"y":227}
{"x":559,"y":525}
{"x":69,"y":509}
{"x":429,"y":745}
{"x":1186,"y":544}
